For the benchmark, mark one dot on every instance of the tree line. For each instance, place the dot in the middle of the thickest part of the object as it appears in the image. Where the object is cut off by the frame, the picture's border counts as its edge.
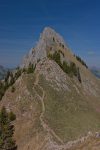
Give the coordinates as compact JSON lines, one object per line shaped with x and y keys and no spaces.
{"x":11,"y":78}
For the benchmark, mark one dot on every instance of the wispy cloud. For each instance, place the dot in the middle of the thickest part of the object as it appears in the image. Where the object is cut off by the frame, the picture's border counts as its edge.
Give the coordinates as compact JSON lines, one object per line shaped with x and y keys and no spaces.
{"x":91,"y":53}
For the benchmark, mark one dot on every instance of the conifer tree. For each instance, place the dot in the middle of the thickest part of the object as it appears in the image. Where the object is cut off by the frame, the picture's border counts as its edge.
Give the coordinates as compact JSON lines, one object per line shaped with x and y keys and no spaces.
{"x":6,"y":132}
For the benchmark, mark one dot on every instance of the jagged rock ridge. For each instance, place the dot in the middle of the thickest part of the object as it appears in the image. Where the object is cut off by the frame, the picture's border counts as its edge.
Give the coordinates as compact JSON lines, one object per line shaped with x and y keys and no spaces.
{"x":47,"y":42}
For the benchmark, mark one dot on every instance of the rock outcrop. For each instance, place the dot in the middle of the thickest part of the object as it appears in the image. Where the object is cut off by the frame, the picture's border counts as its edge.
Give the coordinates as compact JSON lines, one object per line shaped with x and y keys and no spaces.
{"x":49,"y":41}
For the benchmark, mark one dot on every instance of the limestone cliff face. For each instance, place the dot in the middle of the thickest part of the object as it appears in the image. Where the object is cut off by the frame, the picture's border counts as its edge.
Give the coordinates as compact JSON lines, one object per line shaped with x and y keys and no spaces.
{"x":49,"y":41}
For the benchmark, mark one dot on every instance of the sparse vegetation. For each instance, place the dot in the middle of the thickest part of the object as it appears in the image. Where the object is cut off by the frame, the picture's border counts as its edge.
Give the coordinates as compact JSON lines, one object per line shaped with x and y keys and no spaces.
{"x":11,"y":116}
{"x":61,"y":53}
{"x":81,"y":61}
{"x":61,"y":45}
{"x":2,"y":89}
{"x":70,"y":69}
{"x":68,"y":114}
{"x":18,"y":73}
{"x":56,"y":58}
{"x":11,"y":78}
{"x":13,"y":89}
{"x":53,"y":39}
{"x":7,"y":130}
{"x":31,"y":68}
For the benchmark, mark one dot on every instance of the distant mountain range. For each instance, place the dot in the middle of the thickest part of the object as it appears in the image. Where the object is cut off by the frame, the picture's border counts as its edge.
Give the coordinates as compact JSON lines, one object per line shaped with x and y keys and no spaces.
{"x":96,"y":71}
{"x":3,"y":72}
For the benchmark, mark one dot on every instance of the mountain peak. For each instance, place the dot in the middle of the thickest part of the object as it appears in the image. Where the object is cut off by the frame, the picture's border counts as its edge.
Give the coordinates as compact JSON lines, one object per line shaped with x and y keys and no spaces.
{"x":48,"y":29}
{"x":50,"y":34}
{"x":49,"y":40}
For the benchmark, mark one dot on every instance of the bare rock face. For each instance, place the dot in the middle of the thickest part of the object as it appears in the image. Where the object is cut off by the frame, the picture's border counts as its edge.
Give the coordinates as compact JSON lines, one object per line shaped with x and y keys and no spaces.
{"x":47,"y":42}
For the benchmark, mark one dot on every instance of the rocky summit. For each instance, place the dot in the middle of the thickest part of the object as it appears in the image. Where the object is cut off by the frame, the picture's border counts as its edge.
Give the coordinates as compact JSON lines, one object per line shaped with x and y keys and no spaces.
{"x":55,"y":97}
{"x":48,"y":41}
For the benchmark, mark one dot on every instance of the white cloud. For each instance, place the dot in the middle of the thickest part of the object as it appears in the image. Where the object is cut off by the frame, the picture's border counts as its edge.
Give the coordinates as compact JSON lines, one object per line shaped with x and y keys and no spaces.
{"x":91,"y":53}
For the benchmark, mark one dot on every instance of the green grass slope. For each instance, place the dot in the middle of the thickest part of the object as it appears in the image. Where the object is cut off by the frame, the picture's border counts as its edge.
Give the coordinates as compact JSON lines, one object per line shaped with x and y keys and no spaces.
{"x":70,"y":114}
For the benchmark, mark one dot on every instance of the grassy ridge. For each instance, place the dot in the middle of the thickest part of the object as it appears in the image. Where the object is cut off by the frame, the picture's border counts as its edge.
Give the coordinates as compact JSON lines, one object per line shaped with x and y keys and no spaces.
{"x":68,"y":114}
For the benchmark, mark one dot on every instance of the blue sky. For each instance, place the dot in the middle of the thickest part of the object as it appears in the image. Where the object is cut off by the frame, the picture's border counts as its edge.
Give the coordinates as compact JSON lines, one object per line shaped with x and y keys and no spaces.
{"x":21,"y":22}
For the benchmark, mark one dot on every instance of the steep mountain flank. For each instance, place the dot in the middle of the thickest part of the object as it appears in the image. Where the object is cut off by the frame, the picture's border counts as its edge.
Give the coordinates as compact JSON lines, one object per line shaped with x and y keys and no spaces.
{"x":54,"y":109}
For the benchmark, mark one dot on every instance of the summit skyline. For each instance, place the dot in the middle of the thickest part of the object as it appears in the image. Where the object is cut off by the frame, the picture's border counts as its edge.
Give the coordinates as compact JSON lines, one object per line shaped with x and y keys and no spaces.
{"x":22,"y":21}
